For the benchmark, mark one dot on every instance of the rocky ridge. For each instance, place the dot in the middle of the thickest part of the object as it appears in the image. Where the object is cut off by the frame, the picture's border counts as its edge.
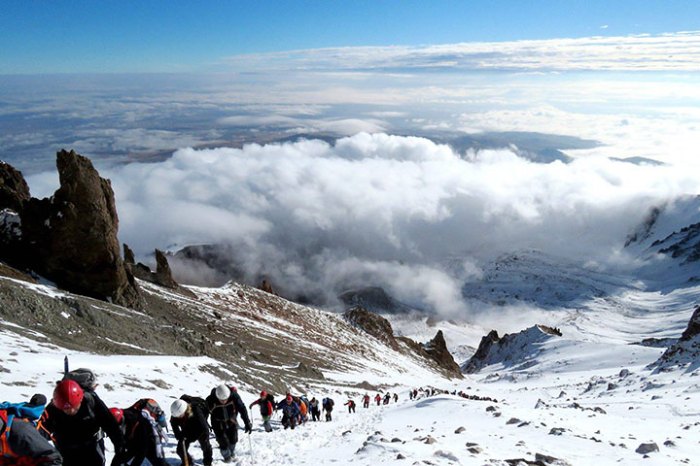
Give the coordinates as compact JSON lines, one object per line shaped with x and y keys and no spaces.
{"x":512,"y":350}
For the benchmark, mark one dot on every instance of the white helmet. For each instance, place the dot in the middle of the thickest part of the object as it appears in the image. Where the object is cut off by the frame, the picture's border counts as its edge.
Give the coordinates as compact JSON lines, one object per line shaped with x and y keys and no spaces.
{"x":178,"y":408}
{"x":223,"y":392}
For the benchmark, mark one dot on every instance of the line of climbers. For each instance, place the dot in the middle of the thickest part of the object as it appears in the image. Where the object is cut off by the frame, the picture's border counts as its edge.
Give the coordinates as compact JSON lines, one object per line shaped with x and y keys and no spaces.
{"x":77,"y":420}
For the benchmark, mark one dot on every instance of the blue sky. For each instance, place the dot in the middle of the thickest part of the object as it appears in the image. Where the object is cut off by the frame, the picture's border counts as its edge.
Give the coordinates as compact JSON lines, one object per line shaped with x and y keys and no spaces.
{"x":171,"y":36}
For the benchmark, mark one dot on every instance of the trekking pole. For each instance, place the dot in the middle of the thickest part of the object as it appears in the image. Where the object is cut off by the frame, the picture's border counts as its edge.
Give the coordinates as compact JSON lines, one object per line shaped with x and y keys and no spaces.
{"x":250,"y":446}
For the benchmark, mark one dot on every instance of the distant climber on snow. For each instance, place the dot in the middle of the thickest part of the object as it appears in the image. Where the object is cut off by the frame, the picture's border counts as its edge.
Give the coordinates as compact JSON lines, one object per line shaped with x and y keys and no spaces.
{"x":267,"y":407}
{"x":315,"y":410}
{"x":290,"y":412}
{"x":351,"y":406}
{"x":327,"y":404}
{"x":378,"y":399}
{"x":365,"y":400}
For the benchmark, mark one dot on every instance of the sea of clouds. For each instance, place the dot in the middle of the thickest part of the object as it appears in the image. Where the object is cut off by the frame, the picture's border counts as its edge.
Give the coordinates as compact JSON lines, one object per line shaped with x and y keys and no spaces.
{"x":383,"y":210}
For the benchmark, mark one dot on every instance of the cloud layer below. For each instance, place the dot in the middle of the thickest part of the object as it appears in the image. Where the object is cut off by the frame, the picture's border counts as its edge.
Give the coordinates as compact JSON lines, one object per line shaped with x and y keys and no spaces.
{"x":374,"y":209}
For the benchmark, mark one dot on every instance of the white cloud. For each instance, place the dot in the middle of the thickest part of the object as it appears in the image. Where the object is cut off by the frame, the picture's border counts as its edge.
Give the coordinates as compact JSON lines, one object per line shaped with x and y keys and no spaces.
{"x":674,"y":51}
{"x":384,"y":210}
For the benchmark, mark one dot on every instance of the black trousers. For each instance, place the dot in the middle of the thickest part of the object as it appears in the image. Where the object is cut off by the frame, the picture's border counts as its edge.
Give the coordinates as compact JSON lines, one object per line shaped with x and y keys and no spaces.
{"x":184,"y":445}
{"x":226,"y":436}
{"x":89,"y":454}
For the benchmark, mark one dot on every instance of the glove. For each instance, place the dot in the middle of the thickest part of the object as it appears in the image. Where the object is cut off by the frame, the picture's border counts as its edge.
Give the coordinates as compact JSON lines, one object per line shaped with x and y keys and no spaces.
{"x":248,"y":429}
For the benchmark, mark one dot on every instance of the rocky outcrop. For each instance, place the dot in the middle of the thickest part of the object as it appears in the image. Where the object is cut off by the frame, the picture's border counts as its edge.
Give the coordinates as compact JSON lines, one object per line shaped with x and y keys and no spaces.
{"x":71,"y":238}
{"x":128,"y":255}
{"x":434,"y":351}
{"x":437,"y":350}
{"x":374,"y":324}
{"x":686,"y":352}
{"x":693,"y":328}
{"x":374,"y":299}
{"x":162,"y":276}
{"x":14,"y":190}
{"x":515,"y":350}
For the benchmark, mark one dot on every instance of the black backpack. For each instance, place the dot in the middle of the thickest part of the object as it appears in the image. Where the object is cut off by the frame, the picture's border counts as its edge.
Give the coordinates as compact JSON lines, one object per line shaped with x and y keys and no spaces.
{"x":85,"y":378}
{"x":197,"y":403}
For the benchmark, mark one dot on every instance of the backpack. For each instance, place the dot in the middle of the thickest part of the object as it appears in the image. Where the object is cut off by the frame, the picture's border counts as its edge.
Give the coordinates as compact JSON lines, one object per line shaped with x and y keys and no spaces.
{"x":85,"y":378}
{"x":153,"y":408}
{"x":197,"y":403}
{"x":10,"y":411}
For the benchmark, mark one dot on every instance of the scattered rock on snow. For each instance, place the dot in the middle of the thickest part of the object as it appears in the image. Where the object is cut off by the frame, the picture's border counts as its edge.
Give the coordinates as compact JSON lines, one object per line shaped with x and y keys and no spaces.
{"x":551,"y":460}
{"x":460,"y":430}
{"x":447,"y":455}
{"x":649,"y":447}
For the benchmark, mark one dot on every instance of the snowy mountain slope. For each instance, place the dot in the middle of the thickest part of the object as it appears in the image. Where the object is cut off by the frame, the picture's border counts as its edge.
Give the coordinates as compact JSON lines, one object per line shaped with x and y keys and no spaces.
{"x":542,"y":280}
{"x":668,"y":245}
{"x":582,"y":403}
{"x":259,"y":336}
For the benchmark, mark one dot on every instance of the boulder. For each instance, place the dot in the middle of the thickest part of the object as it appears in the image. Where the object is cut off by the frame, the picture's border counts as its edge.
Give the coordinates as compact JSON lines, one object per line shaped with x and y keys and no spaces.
{"x":71,"y":238}
{"x":645,"y":448}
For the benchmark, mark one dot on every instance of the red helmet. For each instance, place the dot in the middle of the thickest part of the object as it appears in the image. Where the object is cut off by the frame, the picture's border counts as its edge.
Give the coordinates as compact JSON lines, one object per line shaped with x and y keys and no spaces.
{"x":263,"y":394}
{"x":289,"y":397}
{"x":67,"y":395}
{"x":118,"y":414}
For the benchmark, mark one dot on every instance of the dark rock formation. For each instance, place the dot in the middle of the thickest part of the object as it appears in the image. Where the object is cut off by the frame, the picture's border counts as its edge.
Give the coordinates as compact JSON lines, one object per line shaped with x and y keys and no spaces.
{"x":437,"y":350}
{"x":162,"y":276}
{"x":693,"y":326}
{"x":13,"y":188}
{"x":128,"y":255}
{"x":482,"y":352}
{"x":686,"y":352}
{"x":71,"y":238}
{"x":451,"y":370}
{"x":374,"y":324}
{"x":517,"y":349}
{"x":14,"y":192}
{"x":215,"y":265}
{"x":266,"y":286}
{"x":374,"y":299}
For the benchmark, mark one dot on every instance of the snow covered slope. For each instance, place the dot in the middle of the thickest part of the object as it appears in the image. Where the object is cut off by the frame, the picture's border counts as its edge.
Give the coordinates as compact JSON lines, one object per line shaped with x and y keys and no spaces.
{"x":581,"y":403}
